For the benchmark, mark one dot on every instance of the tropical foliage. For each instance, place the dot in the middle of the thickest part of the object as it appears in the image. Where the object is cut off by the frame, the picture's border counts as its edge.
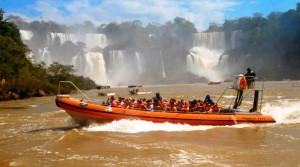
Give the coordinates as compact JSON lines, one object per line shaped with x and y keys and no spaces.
{"x":269,"y":44}
{"x":20,"y":77}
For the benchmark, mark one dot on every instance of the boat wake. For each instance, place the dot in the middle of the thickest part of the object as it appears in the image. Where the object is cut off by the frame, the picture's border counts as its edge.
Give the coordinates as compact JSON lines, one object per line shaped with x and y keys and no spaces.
{"x":137,"y":126}
{"x":286,"y":112}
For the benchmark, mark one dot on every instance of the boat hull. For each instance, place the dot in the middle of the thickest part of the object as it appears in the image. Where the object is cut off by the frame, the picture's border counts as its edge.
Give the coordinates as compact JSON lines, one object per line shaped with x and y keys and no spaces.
{"x":84,"y":113}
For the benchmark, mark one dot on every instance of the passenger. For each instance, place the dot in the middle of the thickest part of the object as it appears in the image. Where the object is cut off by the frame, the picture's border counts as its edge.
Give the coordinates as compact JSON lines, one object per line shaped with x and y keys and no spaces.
{"x":208,"y":100}
{"x":181,"y":105}
{"x":158,"y":106}
{"x":164,"y":105}
{"x":216,"y":108}
{"x":108,"y":102}
{"x":172,"y":107}
{"x":157,"y":95}
{"x":119,"y":102}
{"x":133,"y":103}
{"x":138,"y":104}
{"x":128,"y":103}
{"x":191,"y":104}
{"x":144,"y":104}
{"x":195,"y":106}
{"x":150,"y":105}
{"x":208,"y":108}
{"x":113,"y":101}
{"x":201,"y":106}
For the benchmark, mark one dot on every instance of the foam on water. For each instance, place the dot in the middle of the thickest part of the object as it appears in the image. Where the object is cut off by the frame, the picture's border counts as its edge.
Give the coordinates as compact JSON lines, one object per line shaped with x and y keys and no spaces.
{"x":137,"y":126}
{"x":284,"y":112}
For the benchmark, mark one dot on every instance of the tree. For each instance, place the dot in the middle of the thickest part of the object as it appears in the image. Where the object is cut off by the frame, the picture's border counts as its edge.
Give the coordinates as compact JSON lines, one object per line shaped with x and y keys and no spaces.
{"x":1,"y":14}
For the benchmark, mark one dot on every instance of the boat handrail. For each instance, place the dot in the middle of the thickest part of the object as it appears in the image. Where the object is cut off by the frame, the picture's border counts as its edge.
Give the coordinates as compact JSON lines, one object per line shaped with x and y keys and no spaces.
{"x":70,"y":82}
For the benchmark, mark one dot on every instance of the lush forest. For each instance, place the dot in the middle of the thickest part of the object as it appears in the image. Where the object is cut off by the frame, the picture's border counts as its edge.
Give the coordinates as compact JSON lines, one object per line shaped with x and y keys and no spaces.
{"x":22,"y":79}
{"x":271,"y":45}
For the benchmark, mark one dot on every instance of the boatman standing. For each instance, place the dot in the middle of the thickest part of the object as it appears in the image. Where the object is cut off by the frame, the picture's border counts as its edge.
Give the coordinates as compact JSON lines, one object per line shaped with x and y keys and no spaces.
{"x":250,"y":76}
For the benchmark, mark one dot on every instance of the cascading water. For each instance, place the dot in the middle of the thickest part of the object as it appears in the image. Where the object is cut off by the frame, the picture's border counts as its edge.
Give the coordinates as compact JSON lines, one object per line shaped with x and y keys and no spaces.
{"x":203,"y":57}
{"x":163,"y":73}
{"x":235,"y":36}
{"x":139,"y":63}
{"x":62,"y":37}
{"x":44,"y":55}
{"x":117,"y":70}
{"x":26,"y":35}
{"x":94,"y":40}
{"x":91,"y":65}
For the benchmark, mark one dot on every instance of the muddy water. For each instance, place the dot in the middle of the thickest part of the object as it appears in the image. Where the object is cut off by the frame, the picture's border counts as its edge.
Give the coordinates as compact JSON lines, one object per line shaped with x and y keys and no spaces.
{"x":34,"y":132}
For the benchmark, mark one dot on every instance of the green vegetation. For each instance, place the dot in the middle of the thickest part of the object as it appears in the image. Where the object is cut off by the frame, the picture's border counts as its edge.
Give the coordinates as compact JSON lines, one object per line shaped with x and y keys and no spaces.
{"x":22,"y":79}
{"x":272,"y":43}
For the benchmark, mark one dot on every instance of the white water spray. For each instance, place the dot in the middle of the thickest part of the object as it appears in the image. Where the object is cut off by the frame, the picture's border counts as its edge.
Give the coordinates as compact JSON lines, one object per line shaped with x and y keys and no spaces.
{"x":286,"y":112}
{"x":137,"y":126}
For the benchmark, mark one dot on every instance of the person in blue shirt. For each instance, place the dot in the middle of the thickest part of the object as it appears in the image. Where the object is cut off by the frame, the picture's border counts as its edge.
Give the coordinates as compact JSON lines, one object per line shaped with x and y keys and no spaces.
{"x":209,"y":100}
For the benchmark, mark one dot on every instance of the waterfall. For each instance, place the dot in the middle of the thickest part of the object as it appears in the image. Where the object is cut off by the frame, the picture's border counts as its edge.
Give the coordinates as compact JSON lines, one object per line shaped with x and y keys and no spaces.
{"x":163,"y":73}
{"x":115,"y":60}
{"x":203,"y":62}
{"x":235,"y":38}
{"x":26,"y":35}
{"x":44,"y":55}
{"x":62,"y":37}
{"x":93,"y":40}
{"x":139,"y":63}
{"x":210,"y":40}
{"x":90,"y":40}
{"x":91,"y":65}
{"x":204,"y":56}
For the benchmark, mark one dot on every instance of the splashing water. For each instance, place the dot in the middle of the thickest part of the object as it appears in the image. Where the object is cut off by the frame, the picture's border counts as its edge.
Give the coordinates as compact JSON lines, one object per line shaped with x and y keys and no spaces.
{"x":137,"y":126}
{"x":286,"y":112}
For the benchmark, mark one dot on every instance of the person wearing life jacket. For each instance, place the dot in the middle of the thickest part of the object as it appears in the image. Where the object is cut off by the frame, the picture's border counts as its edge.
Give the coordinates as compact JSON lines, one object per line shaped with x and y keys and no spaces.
{"x":113,"y":102}
{"x":144,"y":103}
{"x":208,"y":108}
{"x":172,"y":106}
{"x":183,"y":106}
{"x":202,"y":106}
{"x":138,"y":104}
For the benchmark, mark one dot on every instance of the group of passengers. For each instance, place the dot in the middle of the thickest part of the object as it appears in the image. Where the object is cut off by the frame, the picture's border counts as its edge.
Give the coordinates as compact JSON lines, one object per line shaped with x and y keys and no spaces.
{"x":157,"y":103}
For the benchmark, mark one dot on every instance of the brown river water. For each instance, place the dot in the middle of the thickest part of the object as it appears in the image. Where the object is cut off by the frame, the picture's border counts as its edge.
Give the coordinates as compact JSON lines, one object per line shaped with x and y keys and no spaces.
{"x":35,"y":132}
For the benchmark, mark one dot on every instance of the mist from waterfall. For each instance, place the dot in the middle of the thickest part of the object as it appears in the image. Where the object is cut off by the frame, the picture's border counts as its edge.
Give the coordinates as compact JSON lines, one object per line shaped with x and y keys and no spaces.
{"x":128,"y":66}
{"x":125,"y":67}
{"x":205,"y":53}
{"x":44,"y":55}
{"x":26,"y":35}
{"x":87,"y":63}
{"x":91,"y":64}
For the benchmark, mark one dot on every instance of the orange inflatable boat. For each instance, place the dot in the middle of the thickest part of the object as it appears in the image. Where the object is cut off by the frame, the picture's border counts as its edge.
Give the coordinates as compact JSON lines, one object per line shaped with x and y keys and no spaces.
{"x":85,"y":112}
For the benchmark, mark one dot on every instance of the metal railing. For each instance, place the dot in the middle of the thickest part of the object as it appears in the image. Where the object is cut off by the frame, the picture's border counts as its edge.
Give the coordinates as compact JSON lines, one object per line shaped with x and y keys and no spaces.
{"x":59,"y":85}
